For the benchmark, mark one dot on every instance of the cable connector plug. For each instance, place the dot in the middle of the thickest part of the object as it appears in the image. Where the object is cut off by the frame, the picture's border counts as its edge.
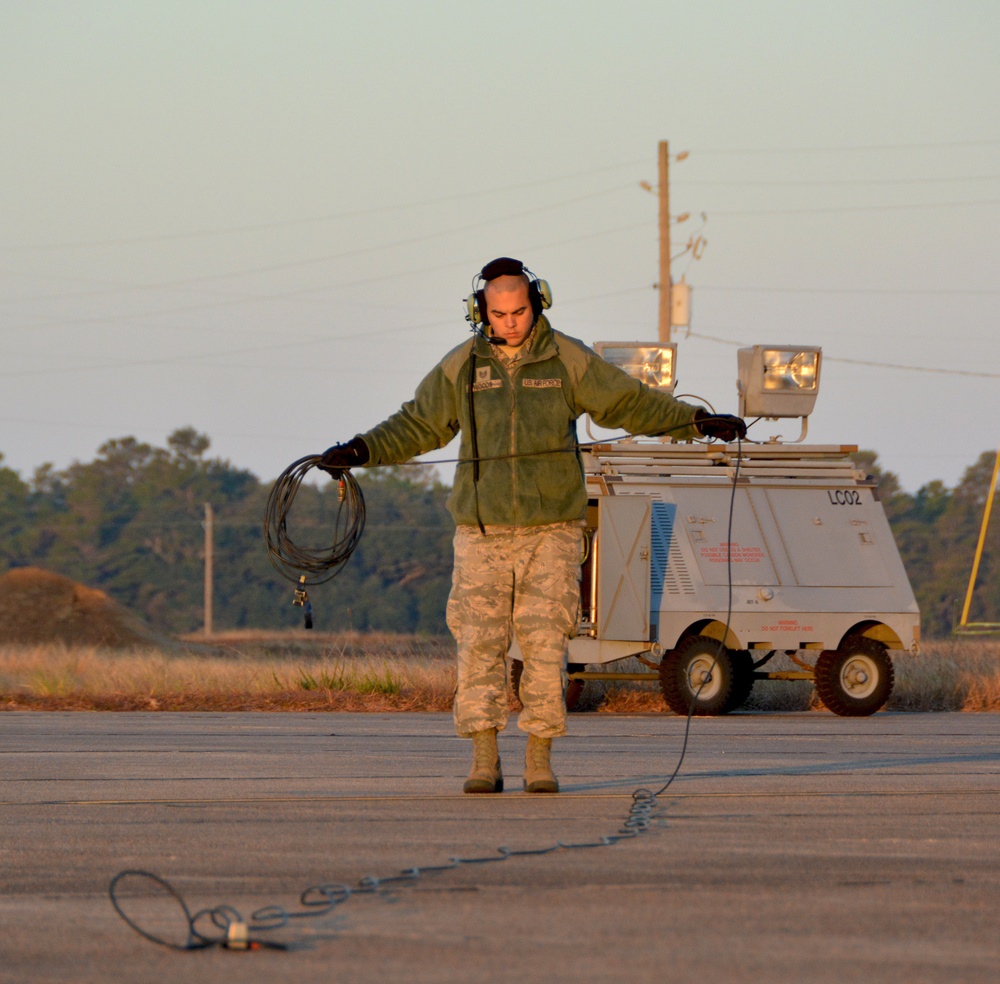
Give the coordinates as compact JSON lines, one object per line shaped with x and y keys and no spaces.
{"x":301,"y":600}
{"x":301,"y":597}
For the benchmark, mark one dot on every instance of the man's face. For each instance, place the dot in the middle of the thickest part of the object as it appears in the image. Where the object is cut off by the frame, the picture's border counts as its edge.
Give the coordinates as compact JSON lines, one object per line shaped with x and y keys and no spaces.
{"x":509,"y":310}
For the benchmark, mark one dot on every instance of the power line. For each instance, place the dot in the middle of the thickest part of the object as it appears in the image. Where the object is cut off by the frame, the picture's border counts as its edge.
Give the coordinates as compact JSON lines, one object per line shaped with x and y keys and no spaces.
{"x":566,"y":302}
{"x":312,"y":340}
{"x":365,"y":281}
{"x":256,"y":298}
{"x":314,"y":220}
{"x":347,"y":254}
{"x":847,"y":149}
{"x":906,"y":368}
{"x":316,"y":339}
{"x":853,"y":208}
{"x":369,"y":332}
{"x":377,"y":247}
{"x":480,"y":192}
{"x":813,"y":182}
{"x":851,"y":290}
{"x":945,"y":291}
{"x":869,"y":363}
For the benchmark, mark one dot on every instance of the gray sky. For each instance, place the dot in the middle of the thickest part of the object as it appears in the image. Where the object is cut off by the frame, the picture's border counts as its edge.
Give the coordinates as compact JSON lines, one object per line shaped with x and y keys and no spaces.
{"x":261,"y":219}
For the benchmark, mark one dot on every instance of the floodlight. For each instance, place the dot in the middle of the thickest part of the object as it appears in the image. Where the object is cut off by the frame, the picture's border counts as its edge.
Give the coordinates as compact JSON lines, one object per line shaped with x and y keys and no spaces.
{"x":778,"y":380}
{"x":649,"y":362}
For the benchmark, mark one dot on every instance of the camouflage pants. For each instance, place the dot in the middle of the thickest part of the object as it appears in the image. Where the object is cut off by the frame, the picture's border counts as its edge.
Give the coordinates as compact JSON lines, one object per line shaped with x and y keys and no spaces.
{"x":523,"y":580}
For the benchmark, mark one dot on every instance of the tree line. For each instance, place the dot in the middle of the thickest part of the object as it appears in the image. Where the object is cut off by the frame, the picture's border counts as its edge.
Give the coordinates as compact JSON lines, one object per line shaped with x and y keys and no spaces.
{"x":130,"y":522}
{"x":936,"y":530}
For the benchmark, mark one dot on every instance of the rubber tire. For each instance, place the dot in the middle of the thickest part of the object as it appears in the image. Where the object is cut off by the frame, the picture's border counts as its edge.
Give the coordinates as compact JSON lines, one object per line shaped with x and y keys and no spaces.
{"x":837,"y":677}
{"x":574,"y":688}
{"x":695,"y":655}
{"x":742,"y":679}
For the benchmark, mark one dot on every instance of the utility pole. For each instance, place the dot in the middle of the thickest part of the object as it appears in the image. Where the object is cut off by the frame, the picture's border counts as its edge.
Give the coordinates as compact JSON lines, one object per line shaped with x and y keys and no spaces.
{"x":209,"y":538}
{"x":664,"y":187}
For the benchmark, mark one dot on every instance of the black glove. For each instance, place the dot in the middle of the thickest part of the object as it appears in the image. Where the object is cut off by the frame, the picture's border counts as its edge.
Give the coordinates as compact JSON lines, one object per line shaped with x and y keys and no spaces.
{"x":725,"y":426}
{"x":342,"y":456}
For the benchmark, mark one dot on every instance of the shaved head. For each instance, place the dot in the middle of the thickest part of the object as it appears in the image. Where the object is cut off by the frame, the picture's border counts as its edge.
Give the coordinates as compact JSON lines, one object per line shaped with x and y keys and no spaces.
{"x":507,"y":283}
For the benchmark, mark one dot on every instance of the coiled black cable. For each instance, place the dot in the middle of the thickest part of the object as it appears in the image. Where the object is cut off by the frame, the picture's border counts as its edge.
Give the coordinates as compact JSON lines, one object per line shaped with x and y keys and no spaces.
{"x":312,"y":565}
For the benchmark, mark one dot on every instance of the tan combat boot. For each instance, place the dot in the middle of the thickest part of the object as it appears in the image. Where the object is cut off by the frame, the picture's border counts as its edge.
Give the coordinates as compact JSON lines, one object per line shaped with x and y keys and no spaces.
{"x":485,"y":775}
{"x":538,"y":777}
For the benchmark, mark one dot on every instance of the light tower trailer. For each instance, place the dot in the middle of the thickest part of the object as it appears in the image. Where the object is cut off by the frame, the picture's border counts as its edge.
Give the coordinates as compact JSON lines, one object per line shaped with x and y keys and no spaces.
{"x":809,"y":559}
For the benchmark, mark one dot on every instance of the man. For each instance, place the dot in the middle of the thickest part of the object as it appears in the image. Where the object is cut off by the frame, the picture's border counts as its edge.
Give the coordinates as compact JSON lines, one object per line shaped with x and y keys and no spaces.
{"x":514,"y":392}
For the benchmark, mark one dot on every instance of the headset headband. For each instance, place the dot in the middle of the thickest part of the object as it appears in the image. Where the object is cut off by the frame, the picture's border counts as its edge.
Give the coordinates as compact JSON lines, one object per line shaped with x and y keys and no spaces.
{"x":503,"y":266}
{"x":539,"y":292}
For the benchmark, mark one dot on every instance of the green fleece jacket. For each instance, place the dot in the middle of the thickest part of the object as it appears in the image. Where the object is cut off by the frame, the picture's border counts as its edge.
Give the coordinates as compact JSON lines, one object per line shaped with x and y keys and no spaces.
{"x":529,"y":408}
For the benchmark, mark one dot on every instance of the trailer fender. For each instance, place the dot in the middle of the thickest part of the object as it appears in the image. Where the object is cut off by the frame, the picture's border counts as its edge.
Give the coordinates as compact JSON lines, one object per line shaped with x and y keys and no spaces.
{"x":714,"y":629}
{"x":878,"y":631}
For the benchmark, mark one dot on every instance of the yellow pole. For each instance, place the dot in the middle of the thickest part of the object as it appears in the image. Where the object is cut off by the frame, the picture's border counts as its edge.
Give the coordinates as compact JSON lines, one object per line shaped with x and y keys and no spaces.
{"x":979,"y":546}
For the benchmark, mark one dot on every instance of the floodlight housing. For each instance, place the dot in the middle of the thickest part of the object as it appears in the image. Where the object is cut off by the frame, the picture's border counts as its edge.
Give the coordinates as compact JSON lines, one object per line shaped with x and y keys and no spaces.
{"x":778,"y":380}
{"x":649,"y":362}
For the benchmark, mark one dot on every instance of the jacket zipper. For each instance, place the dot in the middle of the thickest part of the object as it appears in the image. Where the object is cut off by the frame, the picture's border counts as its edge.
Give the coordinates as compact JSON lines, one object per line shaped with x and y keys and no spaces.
{"x":511,"y":372}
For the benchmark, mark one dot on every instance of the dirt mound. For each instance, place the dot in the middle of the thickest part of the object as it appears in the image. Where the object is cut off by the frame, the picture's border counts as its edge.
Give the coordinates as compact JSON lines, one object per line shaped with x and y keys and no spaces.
{"x":39,"y":607}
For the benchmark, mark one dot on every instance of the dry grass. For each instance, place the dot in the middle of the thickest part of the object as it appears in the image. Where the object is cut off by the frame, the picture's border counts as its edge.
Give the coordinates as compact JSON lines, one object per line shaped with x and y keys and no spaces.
{"x":949,"y":676}
{"x":355,"y":672}
{"x":257,"y":674}
{"x":307,"y":643}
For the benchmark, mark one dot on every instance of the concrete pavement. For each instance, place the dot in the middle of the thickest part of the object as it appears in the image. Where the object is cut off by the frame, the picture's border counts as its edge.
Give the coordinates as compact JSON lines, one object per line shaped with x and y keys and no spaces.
{"x":795,"y":847}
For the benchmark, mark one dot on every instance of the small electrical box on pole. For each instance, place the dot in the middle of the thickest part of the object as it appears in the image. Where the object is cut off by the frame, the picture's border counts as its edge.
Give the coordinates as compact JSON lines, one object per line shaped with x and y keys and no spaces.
{"x":680,"y":305}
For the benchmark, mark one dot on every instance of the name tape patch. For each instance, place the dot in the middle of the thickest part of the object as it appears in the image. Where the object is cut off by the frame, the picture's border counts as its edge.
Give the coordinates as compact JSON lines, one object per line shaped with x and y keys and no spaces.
{"x":483,"y":380}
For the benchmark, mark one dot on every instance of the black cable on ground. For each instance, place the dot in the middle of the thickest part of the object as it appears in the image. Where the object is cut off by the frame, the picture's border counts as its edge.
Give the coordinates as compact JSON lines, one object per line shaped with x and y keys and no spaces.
{"x":228,"y":928}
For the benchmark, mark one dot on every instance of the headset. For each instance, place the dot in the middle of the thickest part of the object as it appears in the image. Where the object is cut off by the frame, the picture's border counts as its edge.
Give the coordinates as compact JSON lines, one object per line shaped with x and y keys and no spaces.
{"x":539,"y":292}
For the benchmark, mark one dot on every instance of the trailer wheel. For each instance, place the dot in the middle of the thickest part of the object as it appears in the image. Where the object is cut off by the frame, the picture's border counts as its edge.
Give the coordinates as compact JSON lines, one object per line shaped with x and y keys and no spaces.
{"x":856,"y":679}
{"x":698,"y":671}
{"x":574,"y":688}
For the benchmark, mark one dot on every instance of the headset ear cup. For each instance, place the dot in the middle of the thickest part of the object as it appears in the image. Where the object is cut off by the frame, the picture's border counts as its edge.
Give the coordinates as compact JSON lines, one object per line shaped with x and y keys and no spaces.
{"x":472,"y":307}
{"x":478,"y":300}
{"x":535,"y":298}
{"x":544,"y":292}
